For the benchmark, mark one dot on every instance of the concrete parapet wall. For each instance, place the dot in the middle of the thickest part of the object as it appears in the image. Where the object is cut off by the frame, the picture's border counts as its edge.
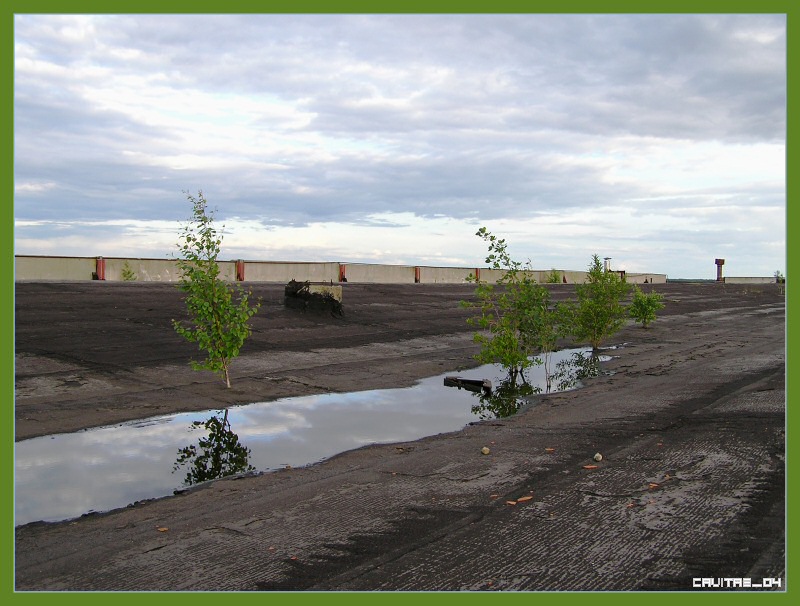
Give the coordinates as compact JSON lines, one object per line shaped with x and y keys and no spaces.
{"x":386,"y":274}
{"x":143,"y":270}
{"x":750,"y":280}
{"x":156,"y":270}
{"x":444,"y":275}
{"x":166,"y":270}
{"x":637,"y":278}
{"x":54,"y":268}
{"x":105,"y":268}
{"x":490,"y":276}
{"x":271,"y":271}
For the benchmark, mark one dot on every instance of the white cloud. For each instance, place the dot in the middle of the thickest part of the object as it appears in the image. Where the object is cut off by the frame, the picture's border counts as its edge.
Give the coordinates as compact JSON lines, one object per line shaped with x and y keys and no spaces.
{"x":33,"y":188}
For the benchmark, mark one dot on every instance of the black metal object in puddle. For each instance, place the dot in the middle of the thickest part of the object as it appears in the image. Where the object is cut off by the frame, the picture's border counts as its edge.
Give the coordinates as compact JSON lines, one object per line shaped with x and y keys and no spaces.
{"x":474,"y":385}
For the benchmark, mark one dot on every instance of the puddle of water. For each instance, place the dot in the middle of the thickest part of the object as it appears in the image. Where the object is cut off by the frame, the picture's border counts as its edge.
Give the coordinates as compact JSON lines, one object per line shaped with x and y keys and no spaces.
{"x":64,"y":476}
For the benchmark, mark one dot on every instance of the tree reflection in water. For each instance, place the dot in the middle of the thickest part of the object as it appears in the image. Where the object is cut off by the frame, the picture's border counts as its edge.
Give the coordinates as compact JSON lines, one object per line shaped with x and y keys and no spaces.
{"x":569,"y":372}
{"x":216,"y":455}
{"x":504,"y":400}
{"x":509,"y":395}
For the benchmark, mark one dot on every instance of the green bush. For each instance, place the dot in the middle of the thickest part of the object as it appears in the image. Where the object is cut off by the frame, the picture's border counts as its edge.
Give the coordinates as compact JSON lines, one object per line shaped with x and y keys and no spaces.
{"x":643,"y":307}
{"x":599,"y":311}
{"x":515,"y":314}
{"x":554,"y":277}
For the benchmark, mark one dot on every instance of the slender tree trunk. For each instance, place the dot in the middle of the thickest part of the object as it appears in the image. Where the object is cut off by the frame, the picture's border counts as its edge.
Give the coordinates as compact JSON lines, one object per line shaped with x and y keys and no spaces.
{"x":547,"y":377}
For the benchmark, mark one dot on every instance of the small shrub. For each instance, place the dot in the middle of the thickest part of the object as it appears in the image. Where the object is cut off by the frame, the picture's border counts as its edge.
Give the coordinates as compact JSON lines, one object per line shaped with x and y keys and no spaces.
{"x":643,"y":307}
{"x":128,"y":275}
{"x":599,"y":312}
{"x":554,"y":277}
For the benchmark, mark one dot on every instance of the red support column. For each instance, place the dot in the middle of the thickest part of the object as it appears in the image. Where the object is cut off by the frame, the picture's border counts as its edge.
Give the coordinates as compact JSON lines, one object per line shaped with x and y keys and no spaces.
{"x":416,"y":275}
{"x":478,"y":274}
{"x":342,"y":272}
{"x":100,"y":268}
{"x":240,"y":270}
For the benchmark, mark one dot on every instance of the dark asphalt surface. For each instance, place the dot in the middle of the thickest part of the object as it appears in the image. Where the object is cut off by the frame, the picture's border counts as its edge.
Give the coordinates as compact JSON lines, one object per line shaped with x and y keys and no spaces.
{"x":691,"y":426}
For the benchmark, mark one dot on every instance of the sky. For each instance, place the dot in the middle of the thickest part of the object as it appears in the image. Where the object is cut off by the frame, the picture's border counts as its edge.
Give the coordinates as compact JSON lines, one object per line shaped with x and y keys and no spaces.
{"x":656,"y":140}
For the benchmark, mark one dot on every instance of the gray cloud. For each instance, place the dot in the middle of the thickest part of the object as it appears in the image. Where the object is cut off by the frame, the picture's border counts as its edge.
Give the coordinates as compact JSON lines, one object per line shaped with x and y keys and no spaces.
{"x":321,"y":118}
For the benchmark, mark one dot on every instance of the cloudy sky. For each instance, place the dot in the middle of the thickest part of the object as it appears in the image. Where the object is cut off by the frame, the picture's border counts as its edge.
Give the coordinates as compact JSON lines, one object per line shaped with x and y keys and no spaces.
{"x":657,"y":140}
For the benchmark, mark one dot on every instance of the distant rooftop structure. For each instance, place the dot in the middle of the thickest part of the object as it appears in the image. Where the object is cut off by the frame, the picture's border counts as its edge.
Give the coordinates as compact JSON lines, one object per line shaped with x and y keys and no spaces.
{"x":719,"y":263}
